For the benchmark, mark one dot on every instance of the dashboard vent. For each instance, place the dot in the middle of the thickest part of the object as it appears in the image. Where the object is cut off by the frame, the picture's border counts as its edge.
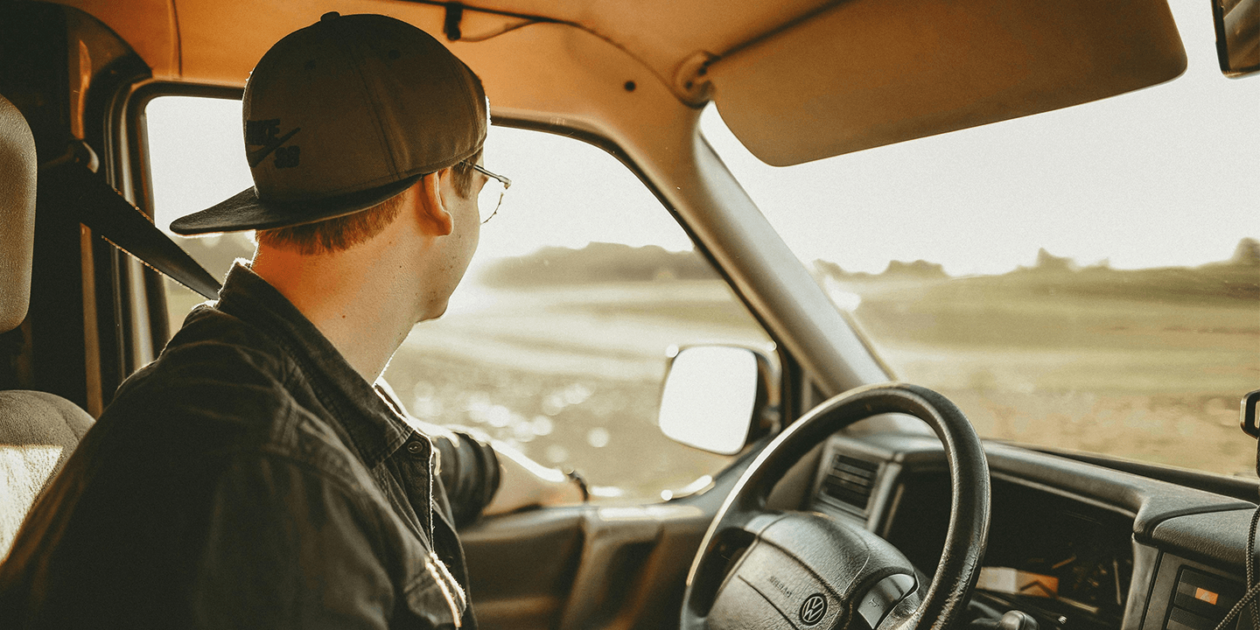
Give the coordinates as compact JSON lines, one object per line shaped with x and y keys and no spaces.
{"x":850,"y":482}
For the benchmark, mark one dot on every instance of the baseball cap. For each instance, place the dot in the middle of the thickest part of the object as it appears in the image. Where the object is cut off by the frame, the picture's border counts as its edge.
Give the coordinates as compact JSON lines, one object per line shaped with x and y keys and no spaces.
{"x":342,"y":115}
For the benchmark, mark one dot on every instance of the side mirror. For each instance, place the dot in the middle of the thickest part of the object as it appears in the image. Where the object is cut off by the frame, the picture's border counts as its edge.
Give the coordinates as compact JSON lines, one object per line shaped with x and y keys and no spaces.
{"x":718,"y":398}
{"x":1237,"y":36}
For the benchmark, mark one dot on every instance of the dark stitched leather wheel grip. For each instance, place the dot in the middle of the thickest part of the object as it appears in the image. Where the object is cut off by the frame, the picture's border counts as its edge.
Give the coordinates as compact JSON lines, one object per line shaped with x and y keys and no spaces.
{"x":965,"y":540}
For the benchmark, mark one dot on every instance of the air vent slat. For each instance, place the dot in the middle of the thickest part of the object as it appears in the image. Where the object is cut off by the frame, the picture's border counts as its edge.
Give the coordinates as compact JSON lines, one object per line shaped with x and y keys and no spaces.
{"x":850,"y":481}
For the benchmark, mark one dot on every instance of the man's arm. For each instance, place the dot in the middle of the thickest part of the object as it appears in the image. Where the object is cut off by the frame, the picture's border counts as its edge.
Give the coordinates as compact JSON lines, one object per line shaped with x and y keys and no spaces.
{"x":484,"y":476}
{"x":524,"y":482}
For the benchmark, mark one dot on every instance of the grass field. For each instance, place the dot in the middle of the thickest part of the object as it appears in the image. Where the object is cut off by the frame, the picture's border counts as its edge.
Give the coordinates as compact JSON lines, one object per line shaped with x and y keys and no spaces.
{"x":1146,"y":365}
{"x":572,"y":375}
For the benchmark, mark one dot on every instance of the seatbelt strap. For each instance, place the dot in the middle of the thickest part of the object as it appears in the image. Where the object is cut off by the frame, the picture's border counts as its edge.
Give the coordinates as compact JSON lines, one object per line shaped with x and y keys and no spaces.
{"x":106,"y":212}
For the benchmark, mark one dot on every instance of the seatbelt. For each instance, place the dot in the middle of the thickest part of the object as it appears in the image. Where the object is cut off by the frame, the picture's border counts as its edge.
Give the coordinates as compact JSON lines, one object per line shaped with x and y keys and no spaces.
{"x":106,"y":212}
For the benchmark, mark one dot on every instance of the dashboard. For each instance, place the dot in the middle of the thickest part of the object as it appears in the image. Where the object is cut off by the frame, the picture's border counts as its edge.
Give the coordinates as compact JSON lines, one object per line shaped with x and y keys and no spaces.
{"x":1074,"y":545}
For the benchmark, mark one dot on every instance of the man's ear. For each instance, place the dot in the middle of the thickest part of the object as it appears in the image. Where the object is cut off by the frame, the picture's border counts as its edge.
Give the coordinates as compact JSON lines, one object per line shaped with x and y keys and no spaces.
{"x":431,"y":209}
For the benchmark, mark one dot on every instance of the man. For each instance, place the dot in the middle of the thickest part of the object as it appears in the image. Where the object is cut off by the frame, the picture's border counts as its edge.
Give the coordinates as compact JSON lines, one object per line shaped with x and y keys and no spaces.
{"x":253,"y":476}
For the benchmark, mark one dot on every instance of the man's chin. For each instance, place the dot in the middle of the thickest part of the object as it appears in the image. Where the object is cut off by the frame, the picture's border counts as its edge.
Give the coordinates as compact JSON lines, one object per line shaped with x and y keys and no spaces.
{"x":436,"y":312}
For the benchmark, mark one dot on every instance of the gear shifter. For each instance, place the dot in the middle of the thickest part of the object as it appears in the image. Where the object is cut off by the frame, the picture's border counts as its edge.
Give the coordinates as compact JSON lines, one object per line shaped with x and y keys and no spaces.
{"x":1013,"y":620}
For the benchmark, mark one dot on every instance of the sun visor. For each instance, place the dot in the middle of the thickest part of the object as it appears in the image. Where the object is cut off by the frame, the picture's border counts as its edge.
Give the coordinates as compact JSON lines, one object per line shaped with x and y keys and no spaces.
{"x":868,"y":73}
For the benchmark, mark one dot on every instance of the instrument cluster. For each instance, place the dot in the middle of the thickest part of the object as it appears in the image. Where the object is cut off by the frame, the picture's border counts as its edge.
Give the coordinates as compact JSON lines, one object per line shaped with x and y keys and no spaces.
{"x":1066,"y":562}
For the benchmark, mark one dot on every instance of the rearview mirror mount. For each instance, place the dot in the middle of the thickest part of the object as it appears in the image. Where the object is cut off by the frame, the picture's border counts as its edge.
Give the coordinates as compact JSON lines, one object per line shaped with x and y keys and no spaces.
{"x":1237,"y":36}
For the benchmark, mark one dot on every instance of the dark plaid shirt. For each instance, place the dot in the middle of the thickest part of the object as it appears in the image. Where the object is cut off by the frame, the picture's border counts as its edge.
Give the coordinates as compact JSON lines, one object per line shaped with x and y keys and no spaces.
{"x":250,"y":478}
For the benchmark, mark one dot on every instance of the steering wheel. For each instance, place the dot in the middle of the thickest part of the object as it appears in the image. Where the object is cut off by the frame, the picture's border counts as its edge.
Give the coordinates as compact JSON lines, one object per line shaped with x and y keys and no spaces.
{"x":758,"y":568}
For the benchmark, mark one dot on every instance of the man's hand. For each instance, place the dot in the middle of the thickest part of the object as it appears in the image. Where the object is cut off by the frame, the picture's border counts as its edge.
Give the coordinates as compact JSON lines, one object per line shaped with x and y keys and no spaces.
{"x":524,"y":483}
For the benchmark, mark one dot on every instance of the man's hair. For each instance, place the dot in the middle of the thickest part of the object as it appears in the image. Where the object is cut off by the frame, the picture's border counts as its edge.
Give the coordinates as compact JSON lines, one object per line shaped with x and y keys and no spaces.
{"x":342,"y":233}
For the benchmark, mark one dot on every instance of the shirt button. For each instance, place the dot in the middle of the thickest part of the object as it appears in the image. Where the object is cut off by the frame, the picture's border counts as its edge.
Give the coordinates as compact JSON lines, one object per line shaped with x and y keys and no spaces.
{"x":416,"y":448}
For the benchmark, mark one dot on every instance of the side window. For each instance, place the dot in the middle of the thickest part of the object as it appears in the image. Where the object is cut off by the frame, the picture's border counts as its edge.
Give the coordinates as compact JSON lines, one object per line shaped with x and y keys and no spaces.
{"x":556,"y":340}
{"x":196,"y":159}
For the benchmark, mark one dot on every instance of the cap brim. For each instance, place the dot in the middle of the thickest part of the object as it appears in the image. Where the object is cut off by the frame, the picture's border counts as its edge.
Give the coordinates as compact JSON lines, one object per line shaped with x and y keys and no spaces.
{"x":245,"y":211}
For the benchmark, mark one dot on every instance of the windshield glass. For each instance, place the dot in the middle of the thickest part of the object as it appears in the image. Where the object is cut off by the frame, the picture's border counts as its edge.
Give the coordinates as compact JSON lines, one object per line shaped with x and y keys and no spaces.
{"x":1085,"y":279}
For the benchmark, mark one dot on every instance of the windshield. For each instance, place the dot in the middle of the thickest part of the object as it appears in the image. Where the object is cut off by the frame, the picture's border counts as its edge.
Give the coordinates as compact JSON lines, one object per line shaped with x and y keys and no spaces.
{"x":1085,"y":279}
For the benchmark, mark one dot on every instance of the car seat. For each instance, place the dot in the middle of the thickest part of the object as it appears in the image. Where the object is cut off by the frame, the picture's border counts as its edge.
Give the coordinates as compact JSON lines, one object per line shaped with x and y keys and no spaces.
{"x":38,"y":431}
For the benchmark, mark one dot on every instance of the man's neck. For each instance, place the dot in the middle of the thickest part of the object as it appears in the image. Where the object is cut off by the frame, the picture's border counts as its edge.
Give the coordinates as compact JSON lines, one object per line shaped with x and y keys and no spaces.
{"x":364,"y":311}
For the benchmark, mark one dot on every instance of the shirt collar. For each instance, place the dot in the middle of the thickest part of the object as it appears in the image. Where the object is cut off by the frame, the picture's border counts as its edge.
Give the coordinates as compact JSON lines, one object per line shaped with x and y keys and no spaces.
{"x":375,"y":429}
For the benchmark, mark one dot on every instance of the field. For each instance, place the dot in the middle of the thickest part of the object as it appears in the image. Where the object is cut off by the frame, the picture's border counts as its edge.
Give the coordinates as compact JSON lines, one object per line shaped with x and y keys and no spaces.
{"x":572,"y":375}
{"x":1146,"y":365}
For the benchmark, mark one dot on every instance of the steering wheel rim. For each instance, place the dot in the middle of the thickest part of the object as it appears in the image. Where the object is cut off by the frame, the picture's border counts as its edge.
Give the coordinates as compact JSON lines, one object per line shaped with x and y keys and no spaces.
{"x":965,"y":540}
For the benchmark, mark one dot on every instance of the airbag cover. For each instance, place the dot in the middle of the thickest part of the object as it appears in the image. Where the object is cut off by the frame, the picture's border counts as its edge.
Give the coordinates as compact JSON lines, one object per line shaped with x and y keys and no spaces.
{"x":806,"y":571}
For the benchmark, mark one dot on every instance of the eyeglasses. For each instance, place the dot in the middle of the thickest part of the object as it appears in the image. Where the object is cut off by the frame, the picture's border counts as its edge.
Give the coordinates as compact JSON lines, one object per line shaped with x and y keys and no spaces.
{"x":491,"y":195}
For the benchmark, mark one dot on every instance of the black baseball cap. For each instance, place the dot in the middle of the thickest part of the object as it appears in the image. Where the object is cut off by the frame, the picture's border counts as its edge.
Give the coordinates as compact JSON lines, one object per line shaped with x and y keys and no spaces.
{"x":344,"y":114}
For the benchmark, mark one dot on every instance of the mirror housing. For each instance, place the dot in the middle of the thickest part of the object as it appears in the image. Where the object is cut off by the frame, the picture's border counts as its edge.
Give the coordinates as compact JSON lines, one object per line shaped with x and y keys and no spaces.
{"x":718,"y":398}
{"x":1237,"y":36}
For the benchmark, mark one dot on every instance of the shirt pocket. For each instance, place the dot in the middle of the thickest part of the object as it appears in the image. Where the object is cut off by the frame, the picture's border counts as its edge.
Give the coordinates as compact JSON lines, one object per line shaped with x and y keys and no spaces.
{"x":433,"y":595}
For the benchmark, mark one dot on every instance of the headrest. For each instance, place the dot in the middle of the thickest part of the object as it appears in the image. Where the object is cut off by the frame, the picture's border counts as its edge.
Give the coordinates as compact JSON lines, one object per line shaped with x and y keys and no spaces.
{"x":18,"y":166}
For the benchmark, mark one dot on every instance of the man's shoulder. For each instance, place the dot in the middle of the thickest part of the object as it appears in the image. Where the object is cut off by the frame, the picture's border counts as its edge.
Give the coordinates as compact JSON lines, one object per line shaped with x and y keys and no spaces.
{"x":214,"y":363}
{"x":223,"y":385}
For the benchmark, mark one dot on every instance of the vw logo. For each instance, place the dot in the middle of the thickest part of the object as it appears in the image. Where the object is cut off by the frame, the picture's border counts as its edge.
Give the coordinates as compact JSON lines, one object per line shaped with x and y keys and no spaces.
{"x":813,"y":609}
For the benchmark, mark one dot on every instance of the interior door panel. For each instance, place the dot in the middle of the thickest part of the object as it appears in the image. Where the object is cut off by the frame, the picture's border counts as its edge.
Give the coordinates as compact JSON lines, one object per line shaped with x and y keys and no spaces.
{"x":583,"y":567}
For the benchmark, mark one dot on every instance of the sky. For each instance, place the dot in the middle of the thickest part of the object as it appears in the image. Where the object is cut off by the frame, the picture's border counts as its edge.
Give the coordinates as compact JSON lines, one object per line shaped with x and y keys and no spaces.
{"x":1165,"y":176}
